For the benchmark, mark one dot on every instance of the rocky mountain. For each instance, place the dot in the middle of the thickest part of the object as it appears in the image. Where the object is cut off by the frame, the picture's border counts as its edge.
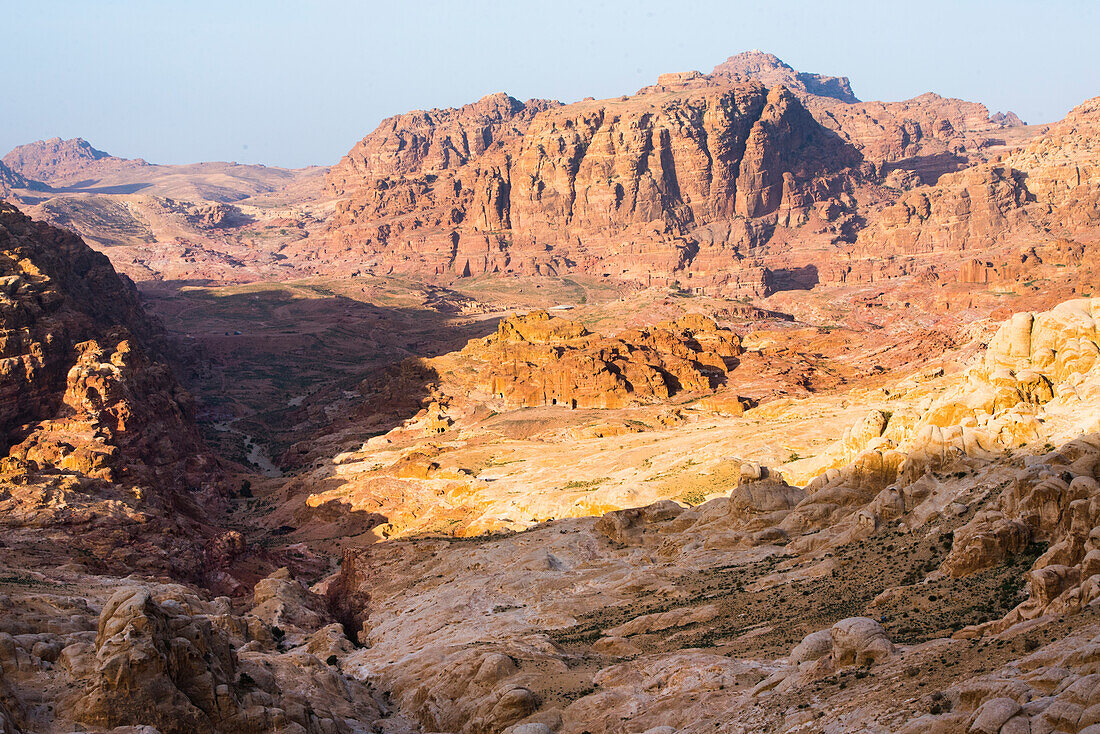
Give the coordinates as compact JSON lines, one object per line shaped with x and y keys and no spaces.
{"x":617,"y":185}
{"x":215,"y":219}
{"x":734,"y":405}
{"x":770,"y":70}
{"x":99,"y":441}
{"x":73,"y":167}
{"x":11,"y":181}
{"x":60,"y":162}
{"x":746,"y":181}
{"x":708,"y":177}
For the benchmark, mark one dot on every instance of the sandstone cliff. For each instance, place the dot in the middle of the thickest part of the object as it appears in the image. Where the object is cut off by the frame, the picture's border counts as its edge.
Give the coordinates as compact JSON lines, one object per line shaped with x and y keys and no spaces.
{"x":716,"y":177}
{"x":618,"y":185}
{"x":537,"y":360}
{"x":1009,"y":221}
{"x":96,"y":432}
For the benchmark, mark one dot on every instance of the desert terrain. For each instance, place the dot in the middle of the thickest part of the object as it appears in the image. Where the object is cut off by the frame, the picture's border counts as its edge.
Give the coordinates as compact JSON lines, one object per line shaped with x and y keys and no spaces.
{"x":733,"y":404}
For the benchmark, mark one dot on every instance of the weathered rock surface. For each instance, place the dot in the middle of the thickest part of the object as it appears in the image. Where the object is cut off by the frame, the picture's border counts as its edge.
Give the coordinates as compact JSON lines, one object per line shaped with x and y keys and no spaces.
{"x":162,"y":657}
{"x":536,"y":359}
{"x":11,"y":180}
{"x":58,"y":162}
{"x":620,"y":184}
{"x":947,"y":463}
{"x":703,"y":176}
{"x":97,"y":435}
{"x":770,"y":70}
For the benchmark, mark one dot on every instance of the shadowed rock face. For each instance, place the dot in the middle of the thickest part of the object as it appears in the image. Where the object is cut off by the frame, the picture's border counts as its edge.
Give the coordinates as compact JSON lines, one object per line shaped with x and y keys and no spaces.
{"x":9,"y":180}
{"x":96,"y":431}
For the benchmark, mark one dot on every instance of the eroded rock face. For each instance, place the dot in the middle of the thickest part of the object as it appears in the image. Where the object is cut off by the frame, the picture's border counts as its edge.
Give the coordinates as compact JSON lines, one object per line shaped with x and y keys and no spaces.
{"x":620,"y":185}
{"x":1063,"y":166}
{"x":56,"y":292}
{"x":536,"y":359}
{"x":972,"y":210}
{"x":214,"y":216}
{"x":629,"y":527}
{"x":166,"y":658}
{"x":156,"y":669}
{"x":860,"y":641}
{"x":707,"y":176}
{"x":1050,"y":186}
{"x":769,"y":69}
{"x":96,"y":433}
{"x":59,"y":162}
{"x":10,"y":181}
{"x":283,"y":602}
{"x":423,"y":179}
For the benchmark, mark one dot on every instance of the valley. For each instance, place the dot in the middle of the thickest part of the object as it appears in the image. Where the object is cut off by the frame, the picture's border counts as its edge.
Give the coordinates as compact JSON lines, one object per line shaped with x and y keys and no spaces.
{"x":735,"y":404}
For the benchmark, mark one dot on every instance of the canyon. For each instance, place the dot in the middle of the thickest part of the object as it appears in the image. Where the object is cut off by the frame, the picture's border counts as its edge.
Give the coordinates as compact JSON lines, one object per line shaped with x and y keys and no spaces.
{"x":736,"y":404}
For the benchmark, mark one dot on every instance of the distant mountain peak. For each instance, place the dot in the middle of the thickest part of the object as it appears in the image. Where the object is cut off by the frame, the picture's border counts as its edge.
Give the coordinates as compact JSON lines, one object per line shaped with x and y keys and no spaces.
{"x":56,"y":160}
{"x":769,"y":69}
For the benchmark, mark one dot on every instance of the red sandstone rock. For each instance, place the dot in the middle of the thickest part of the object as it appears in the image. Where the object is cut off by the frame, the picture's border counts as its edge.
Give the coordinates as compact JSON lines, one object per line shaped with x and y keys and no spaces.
{"x":538,"y":360}
{"x":96,"y":433}
{"x":62,"y":162}
{"x":713,"y":177}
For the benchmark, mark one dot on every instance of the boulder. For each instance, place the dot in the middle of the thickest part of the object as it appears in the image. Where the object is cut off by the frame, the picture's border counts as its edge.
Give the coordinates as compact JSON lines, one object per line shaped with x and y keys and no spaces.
{"x":860,"y":641}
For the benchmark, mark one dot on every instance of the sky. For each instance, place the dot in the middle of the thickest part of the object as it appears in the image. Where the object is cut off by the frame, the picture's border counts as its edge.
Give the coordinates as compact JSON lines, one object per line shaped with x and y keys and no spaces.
{"x":298,"y":83}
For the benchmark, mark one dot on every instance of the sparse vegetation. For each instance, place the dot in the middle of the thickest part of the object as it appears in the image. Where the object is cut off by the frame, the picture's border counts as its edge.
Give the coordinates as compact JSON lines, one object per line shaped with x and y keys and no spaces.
{"x":693,"y":497}
{"x":585,"y":484}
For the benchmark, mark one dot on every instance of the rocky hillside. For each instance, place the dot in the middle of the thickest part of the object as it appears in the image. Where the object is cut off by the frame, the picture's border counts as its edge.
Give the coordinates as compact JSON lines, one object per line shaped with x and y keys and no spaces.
{"x":932,"y":566}
{"x":11,"y":181}
{"x":109,"y":504}
{"x":715,"y":177}
{"x":929,"y":570}
{"x":100,"y":446}
{"x":60,"y":162}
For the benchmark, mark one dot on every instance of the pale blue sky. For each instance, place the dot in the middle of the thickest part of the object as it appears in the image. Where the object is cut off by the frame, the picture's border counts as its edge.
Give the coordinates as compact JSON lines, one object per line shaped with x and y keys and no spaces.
{"x":297,"y":83}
